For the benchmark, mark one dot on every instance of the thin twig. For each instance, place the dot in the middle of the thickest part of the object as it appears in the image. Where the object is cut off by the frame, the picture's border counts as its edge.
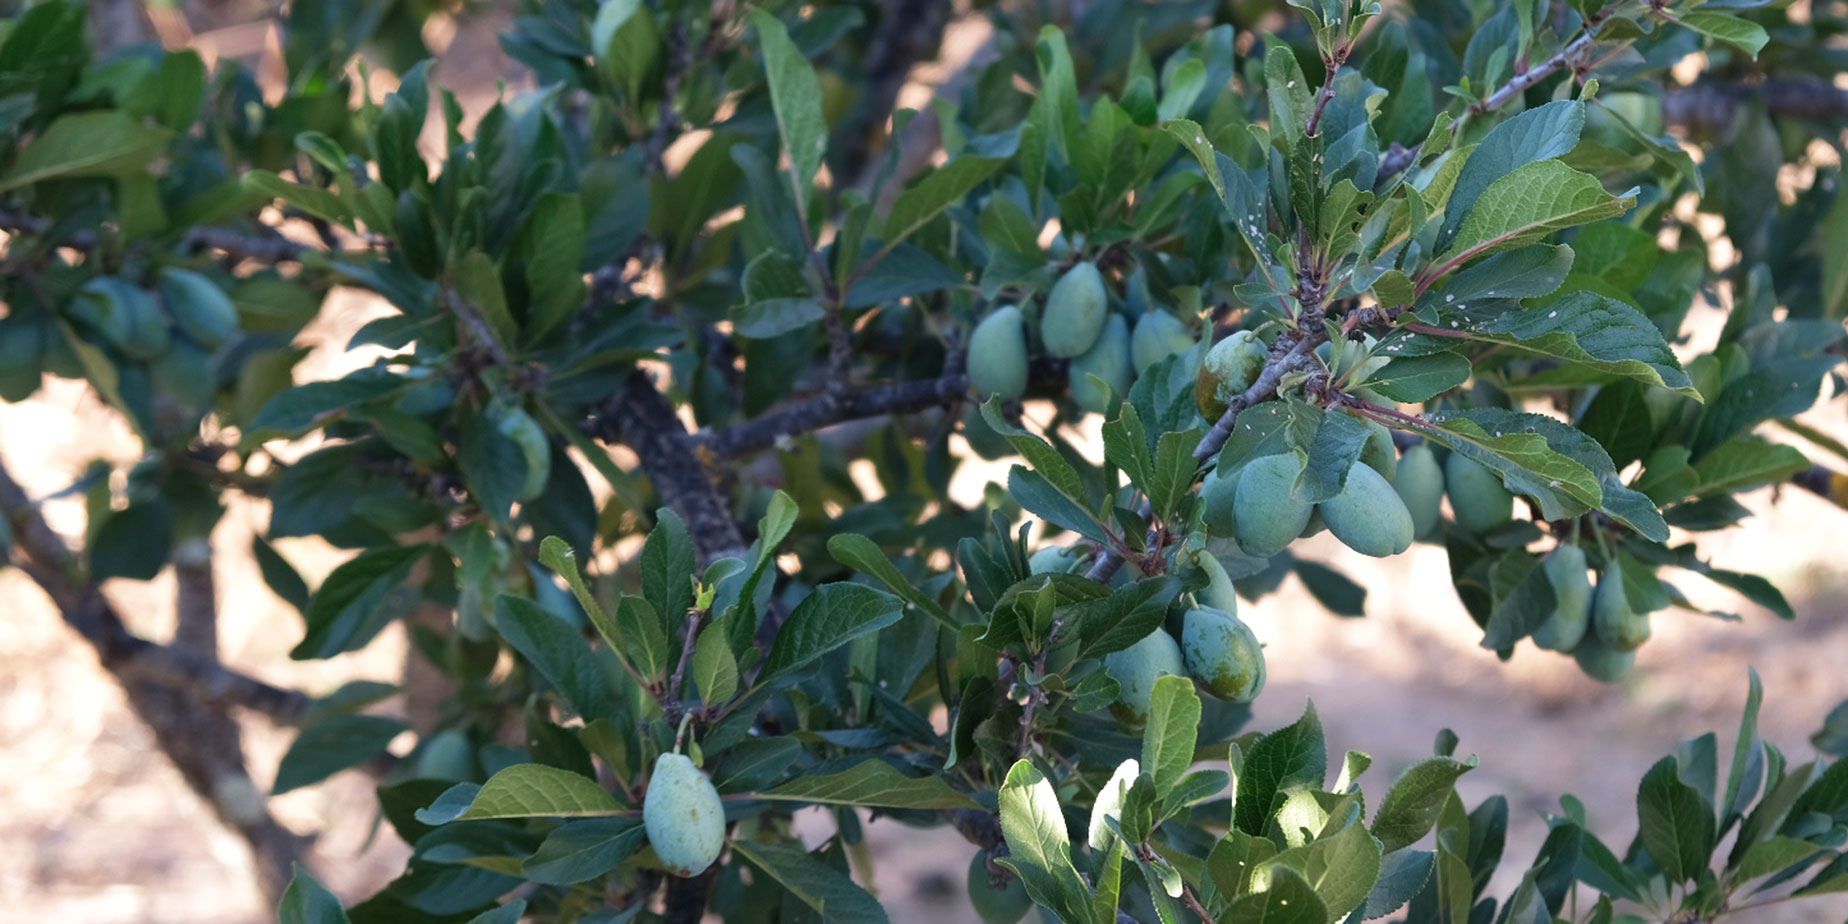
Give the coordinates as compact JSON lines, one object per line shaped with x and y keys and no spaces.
{"x":267,"y":247}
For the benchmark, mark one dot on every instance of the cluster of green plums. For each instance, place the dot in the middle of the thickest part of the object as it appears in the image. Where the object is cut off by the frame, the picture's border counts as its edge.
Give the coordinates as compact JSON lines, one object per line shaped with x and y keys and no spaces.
{"x":1076,"y":324}
{"x":171,"y":322}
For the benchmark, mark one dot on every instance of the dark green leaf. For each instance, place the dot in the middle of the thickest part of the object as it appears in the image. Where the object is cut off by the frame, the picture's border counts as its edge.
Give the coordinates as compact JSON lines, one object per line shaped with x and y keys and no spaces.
{"x":332,"y":745}
{"x":829,"y":617}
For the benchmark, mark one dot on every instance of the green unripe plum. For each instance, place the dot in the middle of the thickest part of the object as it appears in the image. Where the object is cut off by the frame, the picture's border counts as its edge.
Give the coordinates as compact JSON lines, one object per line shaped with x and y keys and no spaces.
{"x":1269,"y":509}
{"x":1600,"y":661}
{"x":1565,"y":571}
{"x":1420,"y":484}
{"x":1620,"y":627}
{"x":1158,"y":336}
{"x":1379,"y":452}
{"x":1476,"y":494}
{"x":1216,"y":511}
{"x":1057,"y":559}
{"x":151,"y":337}
{"x":1109,"y":804}
{"x":1075,"y":311}
{"x":201,"y":310}
{"x":996,"y":906}
{"x":1368,"y":516}
{"x":1227,"y":370}
{"x":1136,"y":668}
{"x":1107,"y":359}
{"x":1221,"y":653}
{"x":683,"y":816}
{"x":103,"y":305}
{"x":446,"y":756}
{"x":998,"y":355}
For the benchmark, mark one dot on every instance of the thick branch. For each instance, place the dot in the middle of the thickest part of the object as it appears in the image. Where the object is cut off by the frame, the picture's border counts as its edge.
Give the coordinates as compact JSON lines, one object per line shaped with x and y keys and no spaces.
{"x":42,"y":555}
{"x":1710,"y":106}
{"x":833,"y":408}
{"x":268,"y":247}
{"x":641,"y":417}
{"x":907,"y":30}
{"x":179,"y":691}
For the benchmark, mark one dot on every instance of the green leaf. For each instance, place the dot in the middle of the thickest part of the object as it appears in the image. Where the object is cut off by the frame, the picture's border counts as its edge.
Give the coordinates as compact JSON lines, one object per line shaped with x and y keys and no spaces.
{"x":1288,"y":900}
{"x":834,"y":896}
{"x":332,"y":745}
{"x":1343,"y":869}
{"x":315,"y":201}
{"x":1173,"y":729}
{"x":1775,"y":855}
{"x":1743,"y":463}
{"x":1594,"y":331}
{"x":307,"y":901}
{"x":133,"y":542}
{"x":1740,"y":33}
{"x":1041,"y":498}
{"x":351,"y":605}
{"x":667,"y":569}
{"x":774,"y":317}
{"x":1044,"y":460}
{"x":1538,"y":134}
{"x":1171,"y":474}
{"x":861,"y":554}
{"x":1412,"y":804}
{"x":1564,"y":487}
{"x":1417,"y":379}
{"x":1289,"y":759}
{"x":626,"y":43}
{"x":1039,"y":847}
{"x":1527,"y":205}
{"x":558,"y":651}
{"x":1334,"y":590}
{"x":104,"y":143}
{"x":1291,"y":97}
{"x":1676,"y":827}
{"x":795,"y":95}
{"x":529,"y":791}
{"x":939,"y":189}
{"x":873,"y":783}
{"x":554,"y":248}
{"x":715,"y":669}
{"x":831,"y":616}
{"x":579,"y":851}
{"x":281,"y":577}
{"x":1403,"y":874}
{"x":478,"y":281}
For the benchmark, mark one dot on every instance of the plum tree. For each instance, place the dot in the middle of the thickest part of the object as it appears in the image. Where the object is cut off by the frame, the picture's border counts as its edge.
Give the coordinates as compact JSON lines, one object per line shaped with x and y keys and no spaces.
{"x":661,"y":446}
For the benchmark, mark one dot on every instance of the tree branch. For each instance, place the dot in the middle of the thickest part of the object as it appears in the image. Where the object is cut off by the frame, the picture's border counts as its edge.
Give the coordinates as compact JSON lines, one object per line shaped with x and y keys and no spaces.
{"x":41,"y":554}
{"x":1710,"y":106}
{"x":639,"y":416}
{"x":1520,"y":82}
{"x":832,"y":408}
{"x":686,"y":898}
{"x":267,"y":247}
{"x":906,"y":31}
{"x":1824,"y":482}
{"x":179,"y":691}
